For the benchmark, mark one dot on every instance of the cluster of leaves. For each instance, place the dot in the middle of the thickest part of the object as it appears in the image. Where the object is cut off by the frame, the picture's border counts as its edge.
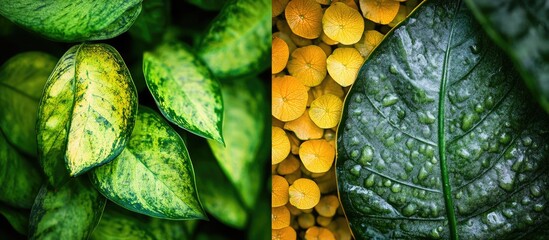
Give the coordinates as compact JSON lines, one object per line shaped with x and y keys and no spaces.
{"x":439,"y":137}
{"x":317,"y":49}
{"x":90,"y":148}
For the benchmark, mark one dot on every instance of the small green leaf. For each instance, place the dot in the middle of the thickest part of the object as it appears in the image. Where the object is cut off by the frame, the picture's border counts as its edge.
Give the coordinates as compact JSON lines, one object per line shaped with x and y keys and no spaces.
{"x":220,"y":197}
{"x":152,"y":22}
{"x":184,"y":89}
{"x":521,"y":29}
{"x":22,"y":80}
{"x":117,"y":223}
{"x":239,"y":40}
{"x":154,"y":174}
{"x":86,"y":114}
{"x":18,"y":218}
{"x":243,"y":129}
{"x":208,"y":5}
{"x":73,"y":21}
{"x":20,"y":179}
{"x":70,"y":212}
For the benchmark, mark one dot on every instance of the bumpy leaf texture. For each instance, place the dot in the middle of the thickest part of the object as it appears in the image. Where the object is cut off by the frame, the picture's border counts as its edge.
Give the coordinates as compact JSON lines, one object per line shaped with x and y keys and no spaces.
{"x":440,"y":139}
{"x":520,"y":28}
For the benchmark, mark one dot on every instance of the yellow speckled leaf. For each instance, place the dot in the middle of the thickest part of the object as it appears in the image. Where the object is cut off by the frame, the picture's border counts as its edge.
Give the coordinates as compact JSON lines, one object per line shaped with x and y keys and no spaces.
{"x":184,"y":89}
{"x":154,"y":174}
{"x":86,"y":113}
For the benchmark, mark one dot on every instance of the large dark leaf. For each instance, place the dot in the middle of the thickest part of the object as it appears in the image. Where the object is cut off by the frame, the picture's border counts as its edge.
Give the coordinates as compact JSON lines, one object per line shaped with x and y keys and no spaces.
{"x":439,"y":138}
{"x":520,"y":28}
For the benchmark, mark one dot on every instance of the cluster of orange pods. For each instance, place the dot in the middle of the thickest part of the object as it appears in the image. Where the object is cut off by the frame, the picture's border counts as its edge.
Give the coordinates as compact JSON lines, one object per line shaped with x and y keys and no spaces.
{"x":318,"y":47}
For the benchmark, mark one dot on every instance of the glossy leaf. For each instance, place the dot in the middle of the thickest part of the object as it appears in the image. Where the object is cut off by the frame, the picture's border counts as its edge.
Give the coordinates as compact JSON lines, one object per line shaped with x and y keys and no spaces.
{"x":239,"y":40}
{"x":18,"y":218}
{"x":20,"y":179}
{"x":521,"y":29}
{"x":70,"y":212}
{"x":87,"y":111}
{"x":152,"y":22}
{"x":154,"y":174}
{"x":73,"y":21}
{"x":221,"y":199}
{"x":117,"y":223}
{"x":439,"y":138}
{"x":22,"y":80}
{"x":244,"y":128}
{"x":184,"y":89}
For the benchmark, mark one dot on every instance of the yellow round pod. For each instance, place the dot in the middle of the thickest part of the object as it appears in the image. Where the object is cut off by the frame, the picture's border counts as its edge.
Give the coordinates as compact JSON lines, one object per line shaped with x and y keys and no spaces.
{"x":287,"y":233}
{"x":319,"y":233}
{"x":279,"y":56}
{"x":280,"y":217}
{"x":325,"y":111}
{"x":379,"y":11}
{"x":289,"y":98}
{"x":280,"y":147}
{"x":279,"y":193}
{"x":304,"y":18}
{"x":343,"y":65}
{"x":308,"y":64}
{"x":304,"y":193}
{"x":317,"y":155}
{"x":343,"y":23}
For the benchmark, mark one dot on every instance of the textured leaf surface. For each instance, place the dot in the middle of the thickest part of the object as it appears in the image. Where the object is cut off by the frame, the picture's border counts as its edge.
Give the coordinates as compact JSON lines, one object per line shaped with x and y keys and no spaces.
{"x":244,"y":130}
{"x":87,"y":111}
{"x":239,"y":40}
{"x":220,"y":197}
{"x":439,"y":138}
{"x":22,"y":80}
{"x":154,"y":174}
{"x":70,"y":212}
{"x":73,"y":21}
{"x":19,"y":178}
{"x":117,"y":223}
{"x":18,"y":218}
{"x":184,"y":89}
{"x":211,"y":5}
{"x":520,"y":28}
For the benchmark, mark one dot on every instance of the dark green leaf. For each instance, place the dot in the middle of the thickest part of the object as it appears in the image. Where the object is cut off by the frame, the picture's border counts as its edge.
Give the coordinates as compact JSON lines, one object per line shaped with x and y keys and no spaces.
{"x":259,"y":227}
{"x":209,"y":5}
{"x":239,"y":40}
{"x":70,"y":212}
{"x":20,"y":180}
{"x":220,"y":197}
{"x":18,"y":218}
{"x":154,"y":174}
{"x":439,"y":138}
{"x":152,"y":22}
{"x":73,"y":21}
{"x":520,"y":28}
{"x":118,"y":223}
{"x":184,"y":89}
{"x":86,"y":113}
{"x":22,"y":80}
{"x":243,"y":130}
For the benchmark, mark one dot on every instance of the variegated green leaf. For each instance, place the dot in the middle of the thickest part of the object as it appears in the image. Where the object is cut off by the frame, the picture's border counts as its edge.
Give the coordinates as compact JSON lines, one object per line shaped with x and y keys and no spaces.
{"x":184,"y":89}
{"x":118,"y":223}
{"x":220,"y":197}
{"x":153,"y":175}
{"x":239,"y":40}
{"x":87,"y":111}
{"x":73,"y":21}
{"x":70,"y":212}
{"x":243,"y":129}
{"x":22,"y":80}
{"x":18,"y":218}
{"x":20,"y":180}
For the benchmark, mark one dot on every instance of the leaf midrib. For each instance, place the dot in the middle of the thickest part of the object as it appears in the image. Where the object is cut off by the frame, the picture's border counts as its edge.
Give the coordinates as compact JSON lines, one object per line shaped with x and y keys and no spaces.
{"x":446,"y":187}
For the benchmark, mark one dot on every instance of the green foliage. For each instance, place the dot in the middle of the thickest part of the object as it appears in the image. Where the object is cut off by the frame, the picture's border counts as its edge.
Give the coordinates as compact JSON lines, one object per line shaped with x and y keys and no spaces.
{"x":521,"y":29}
{"x":73,"y":21}
{"x":439,"y":139}
{"x":155,"y":158}
{"x":76,"y":136}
